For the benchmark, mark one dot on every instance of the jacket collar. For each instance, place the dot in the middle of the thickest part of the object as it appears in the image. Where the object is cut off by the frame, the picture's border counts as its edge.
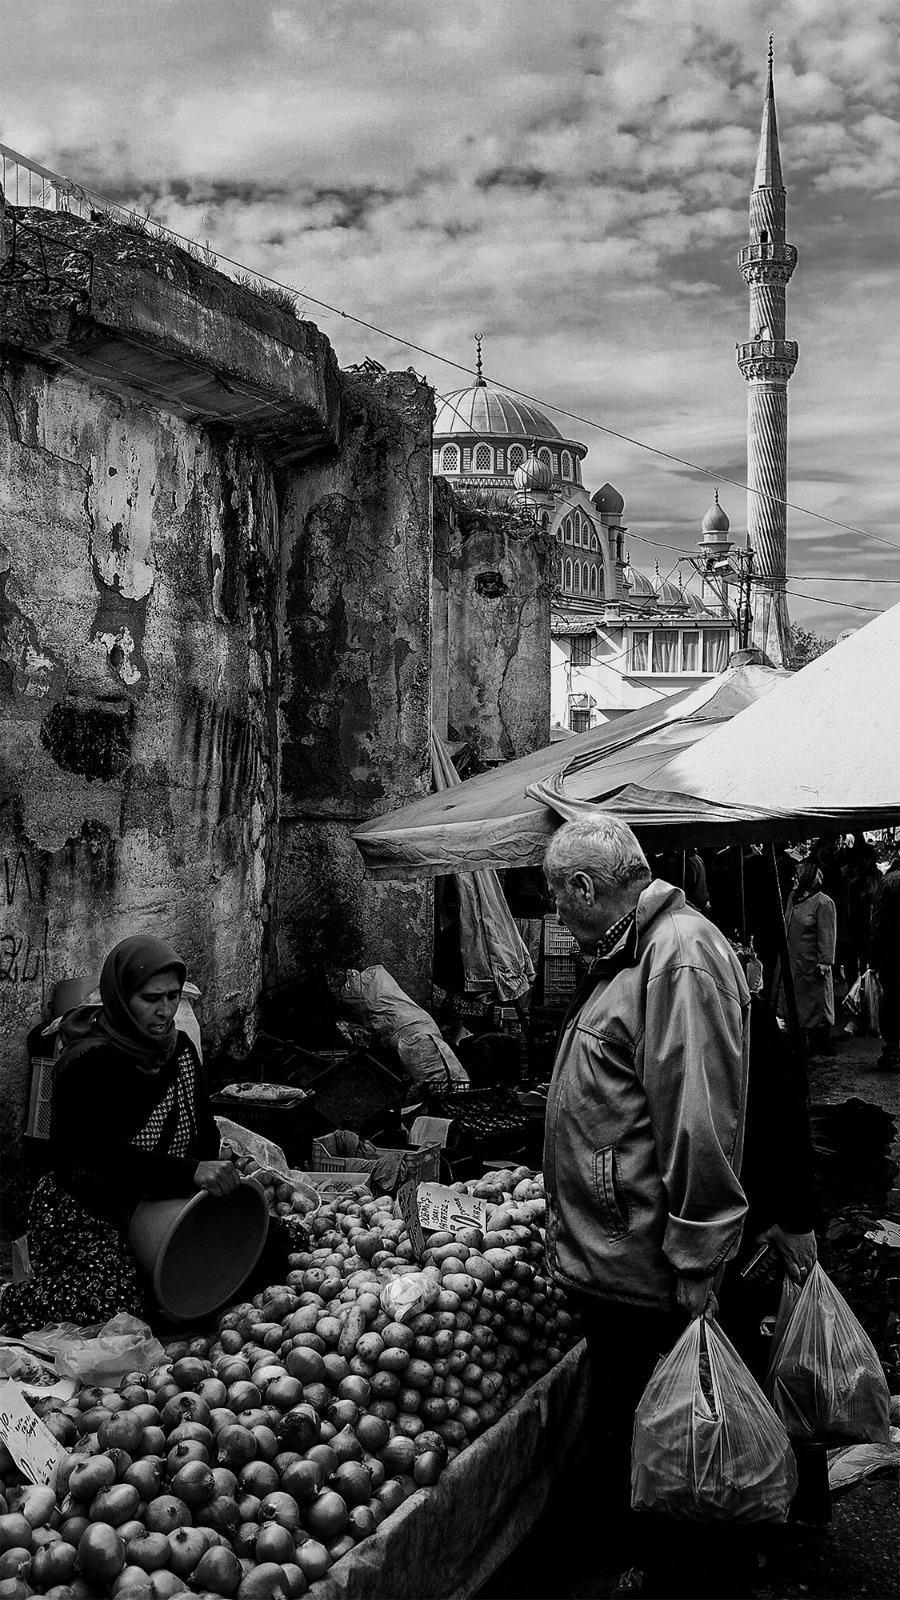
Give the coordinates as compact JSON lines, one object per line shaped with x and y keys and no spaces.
{"x":656,"y":898}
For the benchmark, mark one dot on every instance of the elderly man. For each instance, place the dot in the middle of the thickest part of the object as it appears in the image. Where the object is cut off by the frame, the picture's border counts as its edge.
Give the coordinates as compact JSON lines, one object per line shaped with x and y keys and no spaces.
{"x":645,"y":1122}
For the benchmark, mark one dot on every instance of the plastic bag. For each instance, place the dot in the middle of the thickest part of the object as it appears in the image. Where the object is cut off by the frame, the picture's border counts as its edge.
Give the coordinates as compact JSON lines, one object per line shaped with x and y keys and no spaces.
{"x":103,"y":1353}
{"x":408,"y":1295}
{"x":825,"y":1380}
{"x":270,"y":1161}
{"x":375,"y":998}
{"x":863,"y":1002}
{"x":707,"y":1445}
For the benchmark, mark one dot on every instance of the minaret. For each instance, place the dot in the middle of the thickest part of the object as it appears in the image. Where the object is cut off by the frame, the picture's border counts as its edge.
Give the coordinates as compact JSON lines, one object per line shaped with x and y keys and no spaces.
{"x":767,"y":361}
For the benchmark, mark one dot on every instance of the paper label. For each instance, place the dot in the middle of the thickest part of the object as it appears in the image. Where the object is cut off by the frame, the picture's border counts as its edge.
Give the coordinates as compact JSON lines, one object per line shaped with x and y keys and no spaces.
{"x":448,"y":1210}
{"x":407,"y":1200}
{"x":31,"y":1445}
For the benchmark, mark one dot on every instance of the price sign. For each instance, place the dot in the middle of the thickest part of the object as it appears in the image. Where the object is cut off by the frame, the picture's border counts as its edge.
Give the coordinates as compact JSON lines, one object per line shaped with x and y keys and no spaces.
{"x":31,"y":1445}
{"x":449,"y":1210}
{"x":407,"y":1200}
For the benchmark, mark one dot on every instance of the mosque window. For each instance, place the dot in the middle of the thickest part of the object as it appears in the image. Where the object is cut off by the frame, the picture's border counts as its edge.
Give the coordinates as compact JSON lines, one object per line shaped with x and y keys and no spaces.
{"x":544,"y":455}
{"x":515,"y":456}
{"x":483,"y":458}
{"x":450,"y":458}
{"x":545,"y":523}
{"x":580,"y":650}
{"x":595,"y":542}
{"x":593,"y":580}
{"x":568,"y":528}
{"x":567,"y":581}
{"x":559,"y":533}
{"x":565,"y":465}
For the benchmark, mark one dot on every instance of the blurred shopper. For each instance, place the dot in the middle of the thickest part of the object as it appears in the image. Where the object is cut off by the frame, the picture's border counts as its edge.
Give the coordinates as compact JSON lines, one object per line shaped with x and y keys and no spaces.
{"x":811,"y":922}
{"x":863,"y":879}
{"x":884,"y":952}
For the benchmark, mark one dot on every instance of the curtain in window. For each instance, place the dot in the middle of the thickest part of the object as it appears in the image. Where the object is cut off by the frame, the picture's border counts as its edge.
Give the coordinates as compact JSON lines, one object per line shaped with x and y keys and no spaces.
{"x":715,"y":650}
{"x":690,"y":652}
{"x":665,"y":650}
{"x":640,"y":652}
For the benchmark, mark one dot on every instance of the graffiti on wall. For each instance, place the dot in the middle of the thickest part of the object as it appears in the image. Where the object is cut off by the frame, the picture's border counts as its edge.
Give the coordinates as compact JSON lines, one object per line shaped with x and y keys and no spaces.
{"x":25,"y":935}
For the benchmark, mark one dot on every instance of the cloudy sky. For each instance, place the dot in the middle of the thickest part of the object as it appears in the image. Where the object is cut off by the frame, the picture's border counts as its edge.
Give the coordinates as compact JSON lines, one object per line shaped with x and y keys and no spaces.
{"x":569,"y":177}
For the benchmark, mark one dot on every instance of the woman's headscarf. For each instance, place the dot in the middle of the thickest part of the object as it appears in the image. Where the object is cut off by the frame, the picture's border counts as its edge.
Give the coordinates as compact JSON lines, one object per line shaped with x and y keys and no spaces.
{"x":809,"y":879}
{"x":126,"y":969}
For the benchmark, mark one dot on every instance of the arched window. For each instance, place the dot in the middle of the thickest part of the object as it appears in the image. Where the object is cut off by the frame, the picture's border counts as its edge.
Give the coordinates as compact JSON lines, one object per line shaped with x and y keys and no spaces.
{"x":544,"y":455}
{"x":484,"y":458}
{"x":559,"y":533}
{"x":450,"y":458}
{"x":576,"y":577}
{"x":565,"y":465}
{"x":545,"y":523}
{"x":567,"y":581}
{"x":515,"y":456}
{"x":568,"y":528}
{"x":595,"y":542}
{"x":593,"y":580}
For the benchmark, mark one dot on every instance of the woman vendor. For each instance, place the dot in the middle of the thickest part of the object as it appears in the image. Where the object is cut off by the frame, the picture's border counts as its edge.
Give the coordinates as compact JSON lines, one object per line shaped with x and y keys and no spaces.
{"x":129,"y":1119}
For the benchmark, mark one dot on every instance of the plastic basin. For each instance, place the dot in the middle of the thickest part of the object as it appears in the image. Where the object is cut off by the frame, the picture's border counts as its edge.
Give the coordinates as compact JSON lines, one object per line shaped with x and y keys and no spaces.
{"x":198,"y":1251}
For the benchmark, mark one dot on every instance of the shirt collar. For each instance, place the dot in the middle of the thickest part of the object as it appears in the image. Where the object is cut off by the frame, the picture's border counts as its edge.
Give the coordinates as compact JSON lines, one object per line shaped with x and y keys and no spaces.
{"x":613,"y":936}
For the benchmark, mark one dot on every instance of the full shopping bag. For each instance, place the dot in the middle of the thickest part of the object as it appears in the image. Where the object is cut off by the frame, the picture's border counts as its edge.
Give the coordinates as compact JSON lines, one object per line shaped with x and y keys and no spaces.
{"x":102,"y":1353}
{"x":825,"y":1380}
{"x":707,"y":1445}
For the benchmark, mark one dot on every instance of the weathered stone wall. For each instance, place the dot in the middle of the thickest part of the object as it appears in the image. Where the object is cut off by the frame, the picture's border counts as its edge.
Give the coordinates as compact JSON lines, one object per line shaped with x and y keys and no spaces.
{"x":355,"y":683}
{"x":139,"y":558}
{"x":500,"y":583}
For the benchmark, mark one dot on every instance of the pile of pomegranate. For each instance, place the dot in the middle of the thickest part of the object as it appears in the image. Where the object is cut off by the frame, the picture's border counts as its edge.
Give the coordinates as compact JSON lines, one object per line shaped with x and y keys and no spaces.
{"x":258,"y":1457}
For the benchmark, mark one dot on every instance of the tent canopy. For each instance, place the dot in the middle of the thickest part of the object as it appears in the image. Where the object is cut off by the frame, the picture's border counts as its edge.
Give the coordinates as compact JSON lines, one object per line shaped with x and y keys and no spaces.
{"x":822,"y":752}
{"x":505,"y":818}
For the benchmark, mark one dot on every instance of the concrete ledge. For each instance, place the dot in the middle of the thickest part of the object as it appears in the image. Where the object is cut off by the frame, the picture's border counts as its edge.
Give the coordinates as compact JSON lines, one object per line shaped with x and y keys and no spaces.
{"x":145,"y":320}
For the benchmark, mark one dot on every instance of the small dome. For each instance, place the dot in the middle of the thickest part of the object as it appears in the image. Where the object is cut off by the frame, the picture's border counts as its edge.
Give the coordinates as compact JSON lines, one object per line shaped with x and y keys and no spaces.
{"x":533,"y":474}
{"x":670,"y":596}
{"x":715,"y":520}
{"x":641,"y":587}
{"x":608,"y":499}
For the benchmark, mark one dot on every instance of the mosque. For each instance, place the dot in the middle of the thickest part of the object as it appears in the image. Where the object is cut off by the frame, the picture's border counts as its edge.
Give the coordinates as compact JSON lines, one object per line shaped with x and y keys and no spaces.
{"x":621,"y":638}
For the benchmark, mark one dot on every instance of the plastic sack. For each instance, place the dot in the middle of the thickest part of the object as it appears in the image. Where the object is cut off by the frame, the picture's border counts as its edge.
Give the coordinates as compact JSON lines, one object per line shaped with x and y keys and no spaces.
{"x":103,"y":1353}
{"x":863,"y":1002}
{"x":707,"y":1445}
{"x":270,"y":1160}
{"x":373,"y":997}
{"x":825,"y":1380}
{"x":408,"y":1295}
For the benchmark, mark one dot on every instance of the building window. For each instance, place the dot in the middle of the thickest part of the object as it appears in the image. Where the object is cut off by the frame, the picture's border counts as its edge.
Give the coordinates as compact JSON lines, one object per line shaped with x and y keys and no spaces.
{"x":593,"y":580}
{"x":580,"y":720}
{"x":568,"y":527}
{"x":559,"y":533}
{"x":484,"y":458}
{"x":565,"y":465}
{"x":545,"y":523}
{"x":690,"y":652}
{"x":640,"y":652}
{"x":567,"y":580}
{"x":580,"y":650}
{"x":515,"y":456}
{"x":665,"y":650}
{"x":450,"y":458}
{"x":576,"y":572}
{"x":544,"y":455}
{"x":595,"y":542}
{"x":715,"y":649}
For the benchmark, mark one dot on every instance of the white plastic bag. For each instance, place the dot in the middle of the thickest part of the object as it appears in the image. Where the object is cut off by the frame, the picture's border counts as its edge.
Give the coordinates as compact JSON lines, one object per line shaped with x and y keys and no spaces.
{"x":376,"y":999}
{"x":707,"y":1445}
{"x":103,"y":1353}
{"x":408,"y":1294}
{"x":825,"y":1380}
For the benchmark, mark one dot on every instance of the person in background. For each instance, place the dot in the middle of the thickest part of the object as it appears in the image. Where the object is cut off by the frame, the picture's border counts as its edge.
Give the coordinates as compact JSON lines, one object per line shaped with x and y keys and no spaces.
{"x":862,"y":878}
{"x":645,"y":1121}
{"x":129,"y":1119}
{"x":830,"y":860}
{"x":884,"y":952}
{"x":811,"y":922}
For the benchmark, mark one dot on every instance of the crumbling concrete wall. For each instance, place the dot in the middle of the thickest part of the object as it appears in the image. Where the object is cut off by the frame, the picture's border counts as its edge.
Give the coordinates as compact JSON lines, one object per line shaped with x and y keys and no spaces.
{"x":355,"y":684}
{"x":500,"y":573}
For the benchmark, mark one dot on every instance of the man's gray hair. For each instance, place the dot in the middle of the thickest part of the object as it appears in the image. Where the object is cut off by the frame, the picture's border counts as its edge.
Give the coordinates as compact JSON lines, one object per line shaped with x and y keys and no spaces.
{"x":604,"y":847}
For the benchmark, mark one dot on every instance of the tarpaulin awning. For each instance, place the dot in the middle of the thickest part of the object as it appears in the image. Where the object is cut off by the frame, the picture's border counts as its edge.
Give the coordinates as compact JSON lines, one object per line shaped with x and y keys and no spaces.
{"x":494,"y":820}
{"x":821,"y":753}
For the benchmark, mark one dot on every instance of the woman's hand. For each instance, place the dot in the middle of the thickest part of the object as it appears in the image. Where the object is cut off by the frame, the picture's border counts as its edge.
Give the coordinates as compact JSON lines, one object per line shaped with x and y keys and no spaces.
{"x":216,"y":1177}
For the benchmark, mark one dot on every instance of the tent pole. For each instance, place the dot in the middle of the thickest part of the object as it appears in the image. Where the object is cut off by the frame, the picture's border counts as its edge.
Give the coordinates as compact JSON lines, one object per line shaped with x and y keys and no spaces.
{"x":795,"y":1032}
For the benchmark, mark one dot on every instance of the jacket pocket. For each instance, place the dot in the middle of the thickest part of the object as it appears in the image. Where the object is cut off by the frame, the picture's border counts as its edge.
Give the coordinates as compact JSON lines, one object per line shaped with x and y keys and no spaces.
{"x":613,"y":1207}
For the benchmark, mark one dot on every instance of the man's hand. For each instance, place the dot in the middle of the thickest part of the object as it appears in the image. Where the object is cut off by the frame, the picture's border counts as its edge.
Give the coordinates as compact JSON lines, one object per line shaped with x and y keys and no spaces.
{"x":695,"y":1296}
{"x":216,"y":1177}
{"x":797,"y":1251}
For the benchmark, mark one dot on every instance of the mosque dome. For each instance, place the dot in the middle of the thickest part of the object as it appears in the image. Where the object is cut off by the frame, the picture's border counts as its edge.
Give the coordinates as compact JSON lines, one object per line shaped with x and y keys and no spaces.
{"x":640,"y":588}
{"x":533,"y":474}
{"x":484,"y":410}
{"x":716,"y":520}
{"x":609,"y":500}
{"x":670,"y":597}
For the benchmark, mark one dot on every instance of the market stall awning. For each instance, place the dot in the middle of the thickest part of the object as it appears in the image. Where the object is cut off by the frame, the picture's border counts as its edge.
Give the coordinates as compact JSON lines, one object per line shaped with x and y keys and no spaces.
{"x":822,"y":752}
{"x":494,"y":821}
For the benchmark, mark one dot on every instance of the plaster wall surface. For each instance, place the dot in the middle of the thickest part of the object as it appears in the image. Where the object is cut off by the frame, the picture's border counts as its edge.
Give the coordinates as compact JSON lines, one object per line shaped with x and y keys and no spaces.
{"x":137,"y":579}
{"x":500,"y":583}
{"x":354,"y":711}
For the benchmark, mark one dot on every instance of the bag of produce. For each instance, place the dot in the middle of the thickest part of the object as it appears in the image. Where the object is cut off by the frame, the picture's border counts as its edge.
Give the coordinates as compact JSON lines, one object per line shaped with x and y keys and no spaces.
{"x":825,"y":1380}
{"x":707,"y":1445}
{"x":103,"y":1353}
{"x":376,"y":999}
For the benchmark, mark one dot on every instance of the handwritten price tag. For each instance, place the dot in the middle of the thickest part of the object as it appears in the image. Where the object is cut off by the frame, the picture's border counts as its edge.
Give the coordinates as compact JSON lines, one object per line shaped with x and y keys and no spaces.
{"x":31,"y":1445}
{"x":407,"y":1200}
{"x":448,"y":1210}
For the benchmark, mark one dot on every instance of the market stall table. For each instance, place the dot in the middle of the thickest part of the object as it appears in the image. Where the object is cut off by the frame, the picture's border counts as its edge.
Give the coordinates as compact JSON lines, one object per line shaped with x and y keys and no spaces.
{"x":445,"y":1541}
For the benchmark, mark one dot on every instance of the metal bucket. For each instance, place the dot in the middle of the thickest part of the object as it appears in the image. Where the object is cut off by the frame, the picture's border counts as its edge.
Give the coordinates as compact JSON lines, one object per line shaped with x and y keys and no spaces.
{"x":198,"y":1251}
